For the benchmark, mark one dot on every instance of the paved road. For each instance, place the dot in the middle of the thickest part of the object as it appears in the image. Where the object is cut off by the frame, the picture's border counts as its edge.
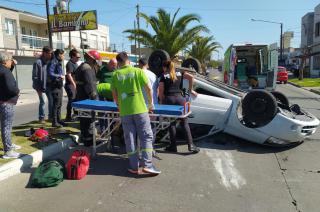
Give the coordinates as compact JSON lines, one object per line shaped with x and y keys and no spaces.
{"x":227,"y":175}
{"x":27,"y":112}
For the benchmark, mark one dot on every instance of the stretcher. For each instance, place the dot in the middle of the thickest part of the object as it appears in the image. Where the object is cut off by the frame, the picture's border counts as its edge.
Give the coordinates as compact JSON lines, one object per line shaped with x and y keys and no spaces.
{"x":161,"y":117}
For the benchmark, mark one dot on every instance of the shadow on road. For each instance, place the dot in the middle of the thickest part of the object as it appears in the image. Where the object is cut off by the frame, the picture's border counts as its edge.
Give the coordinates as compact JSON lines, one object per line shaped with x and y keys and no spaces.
{"x":224,"y":141}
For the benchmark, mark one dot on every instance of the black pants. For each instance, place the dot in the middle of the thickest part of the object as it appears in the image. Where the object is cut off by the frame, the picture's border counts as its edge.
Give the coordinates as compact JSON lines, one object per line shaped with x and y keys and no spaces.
{"x":57,"y":103}
{"x":71,"y":92}
{"x":178,"y":100}
{"x":86,"y":131}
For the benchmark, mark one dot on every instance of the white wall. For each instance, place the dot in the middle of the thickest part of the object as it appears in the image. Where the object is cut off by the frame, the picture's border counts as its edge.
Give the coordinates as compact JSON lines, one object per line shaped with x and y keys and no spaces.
{"x":102,"y":35}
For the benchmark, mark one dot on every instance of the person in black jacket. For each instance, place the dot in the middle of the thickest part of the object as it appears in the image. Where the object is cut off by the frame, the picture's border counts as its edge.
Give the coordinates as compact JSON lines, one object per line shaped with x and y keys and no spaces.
{"x":87,"y":89}
{"x":55,"y":77}
{"x":8,"y":98}
{"x":170,"y":91}
{"x":39,"y":82}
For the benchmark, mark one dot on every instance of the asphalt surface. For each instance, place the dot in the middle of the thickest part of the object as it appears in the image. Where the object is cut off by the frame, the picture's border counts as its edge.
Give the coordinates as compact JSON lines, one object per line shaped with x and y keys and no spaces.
{"x":228,"y":174}
{"x":27,"y":108}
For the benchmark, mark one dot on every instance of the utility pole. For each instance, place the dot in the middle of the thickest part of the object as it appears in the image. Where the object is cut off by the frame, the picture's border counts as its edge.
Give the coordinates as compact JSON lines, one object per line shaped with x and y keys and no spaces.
{"x":281,"y":42}
{"x":138,"y":24}
{"x":69,"y":31}
{"x":135,"y":38}
{"x":49,"y":28}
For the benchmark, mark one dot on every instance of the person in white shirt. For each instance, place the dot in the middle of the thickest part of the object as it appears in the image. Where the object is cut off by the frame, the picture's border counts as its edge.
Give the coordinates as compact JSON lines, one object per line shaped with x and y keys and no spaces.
{"x":154,"y":83}
{"x":143,"y":64}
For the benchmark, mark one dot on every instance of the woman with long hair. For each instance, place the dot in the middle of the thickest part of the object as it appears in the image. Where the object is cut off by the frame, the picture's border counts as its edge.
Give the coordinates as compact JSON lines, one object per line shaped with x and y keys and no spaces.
{"x":170,"y":93}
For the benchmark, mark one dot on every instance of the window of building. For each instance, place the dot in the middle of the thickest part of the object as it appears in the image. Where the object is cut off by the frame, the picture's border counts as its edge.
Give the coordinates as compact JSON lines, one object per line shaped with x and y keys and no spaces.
{"x":10,"y":26}
{"x":317,"y":29}
{"x":94,"y":41}
{"x":23,"y":30}
{"x":316,"y":62}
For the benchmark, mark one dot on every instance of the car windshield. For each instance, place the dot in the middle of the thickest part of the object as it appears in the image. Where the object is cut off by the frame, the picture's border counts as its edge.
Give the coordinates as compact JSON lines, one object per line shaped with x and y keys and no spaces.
{"x":221,"y":85}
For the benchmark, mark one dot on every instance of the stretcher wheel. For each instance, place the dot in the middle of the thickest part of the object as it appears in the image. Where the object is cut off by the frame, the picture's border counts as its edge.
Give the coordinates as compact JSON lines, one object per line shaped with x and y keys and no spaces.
{"x":258,"y":108}
{"x":193,"y":63}
{"x":156,"y":59}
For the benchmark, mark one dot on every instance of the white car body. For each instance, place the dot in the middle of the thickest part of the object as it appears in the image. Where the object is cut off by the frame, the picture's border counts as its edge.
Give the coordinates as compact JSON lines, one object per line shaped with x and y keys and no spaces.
{"x":220,"y":111}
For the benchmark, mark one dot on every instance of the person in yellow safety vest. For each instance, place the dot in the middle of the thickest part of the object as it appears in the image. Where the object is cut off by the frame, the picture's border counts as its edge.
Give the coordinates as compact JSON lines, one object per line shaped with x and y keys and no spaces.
{"x":104,"y":77}
{"x":127,"y":84}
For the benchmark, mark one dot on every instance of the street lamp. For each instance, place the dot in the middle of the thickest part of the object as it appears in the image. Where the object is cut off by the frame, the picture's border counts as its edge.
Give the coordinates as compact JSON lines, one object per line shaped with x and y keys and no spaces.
{"x":281,"y":26}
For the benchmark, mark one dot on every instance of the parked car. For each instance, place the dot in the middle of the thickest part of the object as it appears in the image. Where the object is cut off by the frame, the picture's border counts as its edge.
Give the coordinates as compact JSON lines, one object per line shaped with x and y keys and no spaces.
{"x":282,"y":75}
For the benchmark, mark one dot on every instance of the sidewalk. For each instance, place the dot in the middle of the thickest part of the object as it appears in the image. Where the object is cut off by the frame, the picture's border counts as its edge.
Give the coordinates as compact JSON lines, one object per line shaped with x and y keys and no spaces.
{"x":33,"y":154}
{"x":27,"y":96}
{"x":30,"y":96}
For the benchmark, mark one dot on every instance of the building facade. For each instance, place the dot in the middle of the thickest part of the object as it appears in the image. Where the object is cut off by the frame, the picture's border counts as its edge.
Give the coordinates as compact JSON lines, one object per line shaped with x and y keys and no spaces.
{"x":24,"y":34}
{"x":310,"y":40}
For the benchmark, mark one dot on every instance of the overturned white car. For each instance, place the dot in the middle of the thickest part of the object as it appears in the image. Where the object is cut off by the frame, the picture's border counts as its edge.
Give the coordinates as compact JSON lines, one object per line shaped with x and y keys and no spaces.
{"x":258,"y":116}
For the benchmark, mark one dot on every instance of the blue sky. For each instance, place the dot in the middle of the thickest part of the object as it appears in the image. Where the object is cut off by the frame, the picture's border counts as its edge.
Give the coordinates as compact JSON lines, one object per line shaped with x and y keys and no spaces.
{"x":229,"y":21}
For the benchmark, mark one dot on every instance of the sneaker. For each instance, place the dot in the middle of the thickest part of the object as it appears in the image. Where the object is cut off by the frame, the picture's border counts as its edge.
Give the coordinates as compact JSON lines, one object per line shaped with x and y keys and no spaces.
{"x":11,"y":154}
{"x":151,"y":170}
{"x":57,"y":125}
{"x":15,"y":146}
{"x":134,"y":171}
{"x":63,"y":123}
{"x":193,"y":148}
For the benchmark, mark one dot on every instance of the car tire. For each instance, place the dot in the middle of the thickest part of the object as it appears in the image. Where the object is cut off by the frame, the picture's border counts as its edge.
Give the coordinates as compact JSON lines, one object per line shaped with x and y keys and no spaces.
{"x":193,"y":62}
{"x":258,"y":108}
{"x":280,"y":97}
{"x":156,"y":59}
{"x":285,"y":82}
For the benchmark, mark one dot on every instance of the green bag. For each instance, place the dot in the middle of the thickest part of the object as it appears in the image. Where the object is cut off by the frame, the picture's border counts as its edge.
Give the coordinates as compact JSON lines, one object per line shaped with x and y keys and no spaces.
{"x":48,"y":174}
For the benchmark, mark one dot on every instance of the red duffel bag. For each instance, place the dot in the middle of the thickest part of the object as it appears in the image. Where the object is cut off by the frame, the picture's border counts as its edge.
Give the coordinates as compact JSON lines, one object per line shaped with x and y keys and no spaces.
{"x":78,"y":165}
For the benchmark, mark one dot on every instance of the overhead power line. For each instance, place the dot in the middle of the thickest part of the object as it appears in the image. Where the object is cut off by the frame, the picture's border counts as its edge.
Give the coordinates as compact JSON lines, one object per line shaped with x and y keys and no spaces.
{"x":228,"y":9}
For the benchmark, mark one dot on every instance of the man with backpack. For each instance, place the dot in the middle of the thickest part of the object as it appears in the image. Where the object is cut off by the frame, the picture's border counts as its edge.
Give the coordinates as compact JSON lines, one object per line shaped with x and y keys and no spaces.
{"x":39,"y":82}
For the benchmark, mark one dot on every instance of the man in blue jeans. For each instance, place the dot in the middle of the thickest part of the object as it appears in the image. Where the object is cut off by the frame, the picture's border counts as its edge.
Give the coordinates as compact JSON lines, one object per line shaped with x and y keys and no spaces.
{"x":127,"y":84}
{"x":39,"y":82}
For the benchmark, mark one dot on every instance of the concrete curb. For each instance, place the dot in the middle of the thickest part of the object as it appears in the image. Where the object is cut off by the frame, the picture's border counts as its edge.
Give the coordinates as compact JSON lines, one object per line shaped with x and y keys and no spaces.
{"x":294,"y":84}
{"x":19,"y":165}
{"x":298,"y":86}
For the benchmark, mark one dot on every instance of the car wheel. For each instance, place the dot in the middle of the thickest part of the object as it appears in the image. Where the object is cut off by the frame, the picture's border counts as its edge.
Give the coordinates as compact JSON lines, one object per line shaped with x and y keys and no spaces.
{"x":258,"y":108}
{"x":156,"y":59}
{"x":192,"y":62}
{"x":280,"y":97}
{"x":285,"y":82}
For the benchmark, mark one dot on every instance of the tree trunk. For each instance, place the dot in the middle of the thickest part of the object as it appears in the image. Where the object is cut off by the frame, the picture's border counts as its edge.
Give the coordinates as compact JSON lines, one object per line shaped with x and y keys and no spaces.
{"x":301,"y":68}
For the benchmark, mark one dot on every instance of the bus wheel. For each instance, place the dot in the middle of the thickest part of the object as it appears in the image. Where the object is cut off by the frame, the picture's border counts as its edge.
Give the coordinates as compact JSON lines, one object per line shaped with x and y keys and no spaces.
{"x":258,"y":108}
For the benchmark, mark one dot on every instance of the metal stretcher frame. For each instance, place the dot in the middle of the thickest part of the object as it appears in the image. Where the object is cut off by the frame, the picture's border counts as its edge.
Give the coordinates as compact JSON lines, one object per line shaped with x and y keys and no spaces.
{"x":161,"y":117}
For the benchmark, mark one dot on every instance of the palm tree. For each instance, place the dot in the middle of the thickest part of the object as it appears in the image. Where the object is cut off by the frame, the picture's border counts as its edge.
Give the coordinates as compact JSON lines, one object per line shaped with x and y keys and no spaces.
{"x":202,"y":48}
{"x":170,"y":35}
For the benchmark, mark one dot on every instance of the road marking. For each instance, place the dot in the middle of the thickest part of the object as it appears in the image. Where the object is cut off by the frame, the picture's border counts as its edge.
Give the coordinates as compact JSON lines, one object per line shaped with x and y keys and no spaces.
{"x":224,"y":164}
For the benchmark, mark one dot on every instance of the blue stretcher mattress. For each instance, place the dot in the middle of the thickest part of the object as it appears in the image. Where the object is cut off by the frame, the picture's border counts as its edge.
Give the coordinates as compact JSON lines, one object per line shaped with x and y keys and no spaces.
{"x":175,"y":110}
